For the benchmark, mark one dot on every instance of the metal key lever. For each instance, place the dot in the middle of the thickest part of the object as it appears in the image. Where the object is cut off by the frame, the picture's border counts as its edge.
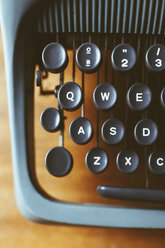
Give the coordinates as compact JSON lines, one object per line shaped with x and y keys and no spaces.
{"x":132,"y":194}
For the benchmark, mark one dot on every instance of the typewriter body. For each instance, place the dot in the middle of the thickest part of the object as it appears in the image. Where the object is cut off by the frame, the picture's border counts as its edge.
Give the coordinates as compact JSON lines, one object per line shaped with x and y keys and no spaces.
{"x":86,"y":95}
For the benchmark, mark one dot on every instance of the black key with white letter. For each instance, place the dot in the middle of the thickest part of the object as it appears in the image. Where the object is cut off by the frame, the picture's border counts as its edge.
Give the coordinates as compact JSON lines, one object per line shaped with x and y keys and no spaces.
{"x":146,"y":132}
{"x":96,"y":160}
{"x":156,"y":162}
{"x":155,"y":58}
{"x":139,"y":96}
{"x":88,"y":57}
{"x":81,"y":130}
{"x":112,"y":131}
{"x":104,"y":96}
{"x":127,"y":161}
{"x":70,"y":96}
{"x":123,"y":57}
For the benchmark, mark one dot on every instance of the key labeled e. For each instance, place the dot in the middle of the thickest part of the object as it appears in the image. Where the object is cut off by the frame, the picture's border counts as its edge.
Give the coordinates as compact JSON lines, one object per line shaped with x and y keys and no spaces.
{"x":139,"y":97}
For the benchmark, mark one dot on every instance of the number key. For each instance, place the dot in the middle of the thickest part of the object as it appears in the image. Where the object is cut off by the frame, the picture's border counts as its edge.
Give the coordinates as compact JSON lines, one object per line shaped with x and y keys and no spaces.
{"x":123,"y":57}
{"x":155,"y":58}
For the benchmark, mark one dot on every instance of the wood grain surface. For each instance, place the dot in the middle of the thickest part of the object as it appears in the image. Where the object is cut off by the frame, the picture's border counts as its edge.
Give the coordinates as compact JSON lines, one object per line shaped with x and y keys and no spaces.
{"x":15,"y":231}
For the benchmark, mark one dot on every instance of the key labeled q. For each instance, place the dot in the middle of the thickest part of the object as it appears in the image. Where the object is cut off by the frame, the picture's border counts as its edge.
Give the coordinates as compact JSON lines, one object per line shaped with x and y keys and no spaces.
{"x":70,"y":96}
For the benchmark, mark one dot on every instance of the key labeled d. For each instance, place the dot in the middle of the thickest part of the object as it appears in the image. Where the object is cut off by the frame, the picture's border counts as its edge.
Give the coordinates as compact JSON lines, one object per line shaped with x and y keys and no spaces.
{"x":146,"y":131}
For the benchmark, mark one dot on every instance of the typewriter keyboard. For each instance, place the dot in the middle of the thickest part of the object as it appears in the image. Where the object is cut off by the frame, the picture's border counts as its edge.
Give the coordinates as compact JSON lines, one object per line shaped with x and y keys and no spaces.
{"x":102,"y":106}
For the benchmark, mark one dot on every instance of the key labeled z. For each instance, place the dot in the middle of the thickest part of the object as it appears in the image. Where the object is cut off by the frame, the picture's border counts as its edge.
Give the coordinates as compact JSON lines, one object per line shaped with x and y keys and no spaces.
{"x":97,"y":159}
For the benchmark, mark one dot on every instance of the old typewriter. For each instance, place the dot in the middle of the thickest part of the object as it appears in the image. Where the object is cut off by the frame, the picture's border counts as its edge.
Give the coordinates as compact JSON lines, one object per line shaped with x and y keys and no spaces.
{"x":86,"y":95}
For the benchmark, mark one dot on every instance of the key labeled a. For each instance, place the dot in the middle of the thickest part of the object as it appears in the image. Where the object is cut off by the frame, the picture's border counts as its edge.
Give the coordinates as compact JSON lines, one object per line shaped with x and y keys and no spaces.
{"x":81,"y":130}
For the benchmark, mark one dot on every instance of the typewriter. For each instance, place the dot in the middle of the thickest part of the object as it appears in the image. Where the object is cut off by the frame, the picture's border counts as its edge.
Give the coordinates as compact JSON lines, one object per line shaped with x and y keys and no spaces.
{"x":86,"y":96}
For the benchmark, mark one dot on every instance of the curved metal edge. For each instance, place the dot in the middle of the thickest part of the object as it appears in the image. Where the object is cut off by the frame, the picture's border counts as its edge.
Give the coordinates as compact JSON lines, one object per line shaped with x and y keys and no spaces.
{"x":30,"y":202}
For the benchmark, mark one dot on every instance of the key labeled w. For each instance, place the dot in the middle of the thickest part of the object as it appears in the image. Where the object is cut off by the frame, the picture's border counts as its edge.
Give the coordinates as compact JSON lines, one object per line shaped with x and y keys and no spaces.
{"x":105,"y":96}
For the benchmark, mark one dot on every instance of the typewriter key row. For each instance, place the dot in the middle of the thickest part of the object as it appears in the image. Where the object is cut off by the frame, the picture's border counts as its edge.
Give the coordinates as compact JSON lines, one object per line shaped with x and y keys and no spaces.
{"x":59,"y":161}
{"x":89,"y":58}
{"x":112,"y":130}
{"x":139,"y":96}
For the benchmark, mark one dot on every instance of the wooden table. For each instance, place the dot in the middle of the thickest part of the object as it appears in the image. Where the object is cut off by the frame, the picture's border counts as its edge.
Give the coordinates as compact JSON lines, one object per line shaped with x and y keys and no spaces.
{"x":15,"y":231}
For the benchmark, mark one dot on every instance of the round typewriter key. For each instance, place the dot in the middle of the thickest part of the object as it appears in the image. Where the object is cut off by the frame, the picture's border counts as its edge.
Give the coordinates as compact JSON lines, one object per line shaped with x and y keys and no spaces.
{"x":70,"y":96}
{"x":58,"y":161}
{"x":81,"y":130}
{"x":96,"y":160}
{"x":139,"y":96}
{"x":127,"y":161}
{"x":155,"y":58}
{"x":123,"y":57}
{"x":146,"y":132}
{"x":162,"y":98}
{"x":54,"y":57}
{"x":156,"y":162}
{"x":112,"y":131}
{"x":88,"y":57}
{"x":104,"y":96}
{"x":50,"y":119}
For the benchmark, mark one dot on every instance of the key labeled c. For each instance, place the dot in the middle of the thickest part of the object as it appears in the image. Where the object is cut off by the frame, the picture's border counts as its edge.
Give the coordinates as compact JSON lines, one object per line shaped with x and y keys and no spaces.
{"x":160,"y":161}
